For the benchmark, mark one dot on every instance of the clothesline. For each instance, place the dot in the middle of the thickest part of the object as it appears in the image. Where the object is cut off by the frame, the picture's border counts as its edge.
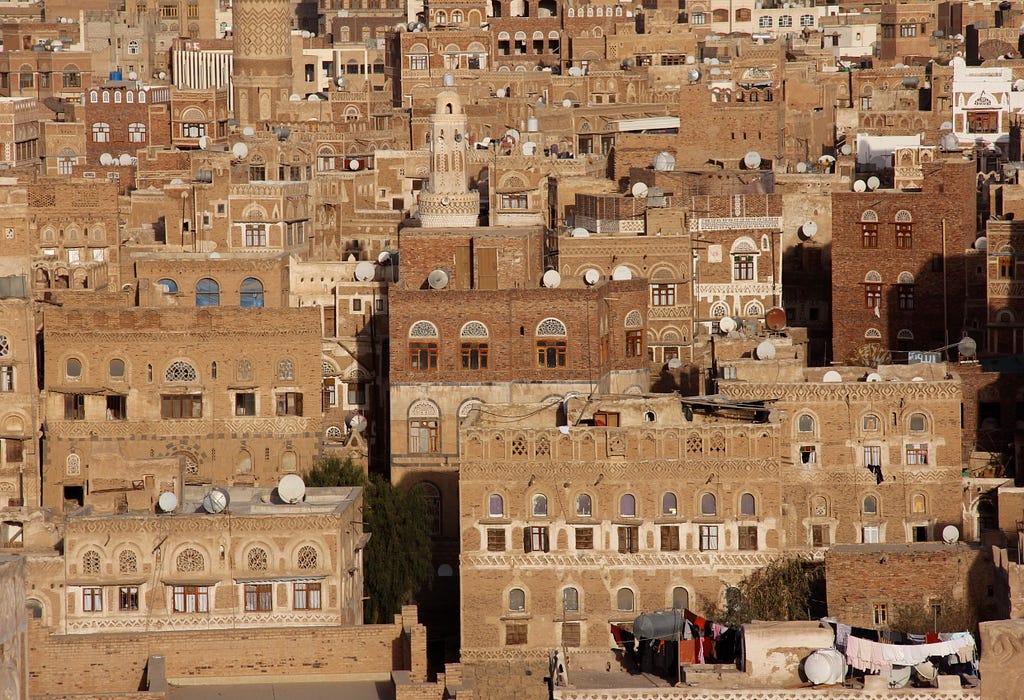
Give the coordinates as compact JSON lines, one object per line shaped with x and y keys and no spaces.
{"x":899,"y":648}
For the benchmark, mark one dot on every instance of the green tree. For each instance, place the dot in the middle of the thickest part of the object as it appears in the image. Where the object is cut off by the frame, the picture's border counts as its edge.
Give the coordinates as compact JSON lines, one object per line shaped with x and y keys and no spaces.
{"x":789,"y":588}
{"x":941,"y":614}
{"x":397,"y":558}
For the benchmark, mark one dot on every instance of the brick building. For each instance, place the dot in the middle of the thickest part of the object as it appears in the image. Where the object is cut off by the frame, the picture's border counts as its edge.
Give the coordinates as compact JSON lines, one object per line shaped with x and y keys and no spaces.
{"x":14,"y":627}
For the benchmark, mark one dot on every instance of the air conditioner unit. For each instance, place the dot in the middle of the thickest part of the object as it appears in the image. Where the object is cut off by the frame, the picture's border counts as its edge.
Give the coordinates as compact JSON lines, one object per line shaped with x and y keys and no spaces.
{"x":89,"y":175}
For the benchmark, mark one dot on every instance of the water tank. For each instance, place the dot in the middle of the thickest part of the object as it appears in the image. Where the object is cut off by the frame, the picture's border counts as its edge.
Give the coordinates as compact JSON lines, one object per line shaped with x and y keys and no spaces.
{"x":532,"y":124}
{"x":825,"y":667}
{"x":663,"y":624}
{"x":115,"y":75}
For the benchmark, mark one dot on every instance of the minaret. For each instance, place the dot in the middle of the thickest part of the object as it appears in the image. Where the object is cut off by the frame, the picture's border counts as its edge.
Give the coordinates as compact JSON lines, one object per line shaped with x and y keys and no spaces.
{"x":447,"y":201}
{"x":262,"y":67}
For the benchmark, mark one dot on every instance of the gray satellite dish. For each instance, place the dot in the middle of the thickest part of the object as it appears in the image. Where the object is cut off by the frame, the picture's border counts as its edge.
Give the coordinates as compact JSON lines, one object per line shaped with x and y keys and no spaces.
{"x":248,"y":131}
{"x":873,"y":183}
{"x":295,"y":97}
{"x":639,"y":190}
{"x":846,"y":149}
{"x":809,"y":229}
{"x":576,"y":71}
{"x":591,"y":277}
{"x":167,"y":502}
{"x":216,"y":500}
{"x":204,"y":142}
{"x":551,"y":279}
{"x":621,"y":272}
{"x":752,"y":160}
{"x":125,"y":159}
{"x":693,"y":74}
{"x":950,"y":534}
{"x":341,"y":81}
{"x":801,"y":167}
{"x":365,"y":271}
{"x":967,"y":347}
{"x":579,"y":232}
{"x":949,"y":142}
{"x":765,"y":350}
{"x":239,"y":150}
{"x":859,"y":186}
{"x":727,"y":324}
{"x":438,"y":279}
{"x":357,"y":423}
{"x":500,"y":92}
{"x":106,"y":159}
{"x":291,"y":488}
{"x":384,"y":258}
{"x":946,"y":126}
{"x":664,"y":162}
{"x":981,"y":243}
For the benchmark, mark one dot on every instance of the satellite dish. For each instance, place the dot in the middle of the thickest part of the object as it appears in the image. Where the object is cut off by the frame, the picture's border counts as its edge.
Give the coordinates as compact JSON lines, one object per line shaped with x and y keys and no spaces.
{"x":832,"y":377}
{"x":500,"y":92}
{"x":801,"y":167}
{"x":825,"y":667}
{"x":162,"y":75}
{"x":216,"y":500}
{"x":438,"y":279}
{"x":132,"y":75}
{"x":580,"y":232}
{"x":926,"y":670}
{"x":576,"y":71}
{"x":384,"y":258}
{"x":621,"y":272}
{"x":846,"y":149}
{"x":948,"y":126}
{"x":239,"y":150}
{"x":775,"y":318}
{"x":859,"y":186}
{"x":167,"y":502}
{"x":949,"y":142}
{"x":291,"y":488}
{"x":873,"y":183}
{"x":873,"y":377}
{"x":248,"y":131}
{"x":513,"y":134}
{"x":551,"y":279}
{"x":981,"y":243}
{"x":950,"y":534}
{"x":567,"y":103}
{"x":591,"y":277}
{"x":341,"y":81}
{"x":204,"y":142}
{"x":765,"y":350}
{"x":448,"y":80}
{"x":312,"y":97}
{"x":357,"y":423}
{"x":809,"y":229}
{"x":752,"y":160}
{"x":726,"y":324}
{"x":529,"y":148}
{"x":693,"y":74}
{"x":675,"y":363}
{"x":967,"y":347}
{"x":639,"y":190}
{"x":295,"y":97}
{"x":664,"y":162}
{"x":125,"y":159}
{"x":353,"y":164}
{"x":106,"y":159}
{"x":365,"y":271}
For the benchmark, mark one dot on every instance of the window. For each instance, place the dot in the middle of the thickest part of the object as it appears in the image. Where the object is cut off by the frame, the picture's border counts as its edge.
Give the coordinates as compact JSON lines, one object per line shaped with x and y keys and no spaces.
{"x":255,"y":234}
{"x":627,"y":505}
{"x":634,"y":343}
{"x":680,"y":598}
{"x":918,"y":505}
{"x":539,"y":505}
{"x":418,"y":62}
{"x":306,"y":595}
{"x":1007,"y":266}
{"x":663,"y":295}
{"x":786,"y":21}
{"x":495,"y":539}
{"x":820,"y":536}
{"x":14,"y":450}
{"x":423,"y":437}
{"x":747,"y":504}
{"x":880,"y":613}
{"x":245,"y":404}
{"x":806,"y":20}
{"x":535,"y":539}
{"x":128,"y":598}
{"x":116,"y":369}
{"x":515,"y":633}
{"x":624,"y":600}
{"x":870,"y":505}
{"x":191,"y":599}
{"x":169,"y":286}
{"x":6,"y":378}
{"x":905,"y":296}
{"x":670,"y":538}
{"x":808,"y":454}
{"x":629,"y":539}
{"x":904,"y":234}
{"x":356,"y":393}
{"x":805,"y":424}
{"x":869,"y":234}
{"x":669,"y":504}
{"x":982,"y":122}
{"x":764,"y":22}
{"x":259,"y":597}
{"x":92,"y":599}
{"x":73,"y":368}
{"x":920,"y":533}
{"x":117,"y":407}
{"x":423,"y":357}
{"x":872,"y":296}
{"x":708,"y":504}
{"x":133,"y":47}
{"x":251,"y":293}
{"x":495,"y":506}
{"x":584,"y":505}
{"x":747,"y":537}
{"x":917,"y":453}
{"x":474,"y":355}
{"x":101,"y":132}
{"x":742,"y":267}
{"x":872,"y":455}
{"x":584,"y":537}
{"x":571,"y":634}
{"x":72,"y":79}
{"x":708,"y":538}
{"x":907,"y":30}
{"x":918,"y":423}
{"x":207,"y":292}
{"x":289,"y":404}
{"x":137,"y":132}
{"x":180,"y":371}
{"x":193,"y":130}
{"x":517,"y":600}
{"x":870,"y":423}
{"x":551,"y":353}
{"x":514,"y":201}
{"x":176,"y":406}
{"x":74,"y":407}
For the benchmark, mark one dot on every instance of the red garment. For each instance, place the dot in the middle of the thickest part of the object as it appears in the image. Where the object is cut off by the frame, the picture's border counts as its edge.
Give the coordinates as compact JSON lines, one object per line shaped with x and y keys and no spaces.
{"x":931,"y":638}
{"x":707,"y":648}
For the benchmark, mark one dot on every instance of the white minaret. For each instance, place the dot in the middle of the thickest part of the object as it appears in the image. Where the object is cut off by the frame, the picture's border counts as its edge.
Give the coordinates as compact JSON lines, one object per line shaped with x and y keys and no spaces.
{"x":447,"y":201}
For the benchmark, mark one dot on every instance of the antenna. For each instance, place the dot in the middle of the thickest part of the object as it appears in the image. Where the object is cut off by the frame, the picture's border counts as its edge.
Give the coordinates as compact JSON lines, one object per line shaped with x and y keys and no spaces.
{"x":752,"y":160}
{"x":438,"y":279}
{"x":291,"y":488}
{"x":664,"y":162}
{"x":727,"y":324}
{"x":167,"y":502}
{"x":639,"y":190}
{"x":873,"y":377}
{"x":832,"y":377}
{"x":591,"y":277}
{"x":981,"y":243}
{"x":950,"y":534}
{"x":809,"y":229}
{"x":365,"y":271}
{"x":551,"y":279}
{"x":967,"y":347}
{"x":239,"y":151}
{"x":384,"y":258}
{"x":579,"y":232}
{"x":204,"y":142}
{"x":106,"y":159}
{"x":859,"y":186}
{"x":357,"y":423}
{"x":621,"y":272}
{"x":765,"y":350}
{"x":216,"y":500}
{"x":873,"y":183}
{"x":775,"y":318}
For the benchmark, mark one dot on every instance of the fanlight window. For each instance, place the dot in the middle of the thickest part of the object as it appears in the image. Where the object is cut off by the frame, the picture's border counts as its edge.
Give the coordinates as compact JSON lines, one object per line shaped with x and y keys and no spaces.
{"x":127,"y":562}
{"x":551,"y":327}
{"x":307,"y":558}
{"x":180,"y":372}
{"x":423,"y":329}
{"x":91,"y":562}
{"x":190,"y":560}
{"x":257,"y":559}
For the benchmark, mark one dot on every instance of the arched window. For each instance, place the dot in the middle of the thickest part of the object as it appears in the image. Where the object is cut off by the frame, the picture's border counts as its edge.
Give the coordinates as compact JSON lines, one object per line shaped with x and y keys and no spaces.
{"x":871,"y":423}
{"x":584,"y":505}
{"x":251,"y":293}
{"x":136,"y":132}
{"x":307,"y":558}
{"x":180,"y":371}
{"x":432,"y":498}
{"x":918,"y":504}
{"x":190,"y":560}
{"x":116,"y":369}
{"x":101,"y":131}
{"x":669,"y":504}
{"x":207,"y":292}
{"x":748,"y":506}
{"x":517,"y":600}
{"x":870,"y":505}
{"x":869,"y":229}
{"x":551,"y":343}
{"x":5,"y":346}
{"x":680,"y":598}
{"x":570,"y":599}
{"x":127,"y":562}
{"x":627,"y":505}
{"x":624,"y":600}
{"x":495,"y":506}
{"x":91,"y":562}
{"x":805,"y":423}
{"x":286,"y":369}
{"x":918,"y":423}
{"x":424,"y":427}
{"x":169,"y":285}
{"x":708,"y":504}
{"x":133,"y":47}
{"x":539,"y":505}
{"x":764,"y":22}
{"x":73,"y":368}
{"x":257,"y":559}
{"x":474,"y":347}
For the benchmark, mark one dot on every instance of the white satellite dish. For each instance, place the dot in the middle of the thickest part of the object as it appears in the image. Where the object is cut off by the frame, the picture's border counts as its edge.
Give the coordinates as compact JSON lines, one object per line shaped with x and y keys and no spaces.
{"x":125,"y":159}
{"x":664,"y":162}
{"x":353,"y":164}
{"x":341,"y":81}
{"x":576,"y":71}
{"x":693,"y":75}
{"x":384,"y":258}
{"x":967,"y":347}
{"x":846,"y":149}
{"x":873,"y":377}
{"x":621,"y":272}
{"x":981,"y":243}
{"x":448,"y":80}
{"x":809,"y":229}
{"x":132,"y":75}
{"x":591,"y":277}
{"x":106,"y":159}
{"x":950,"y":534}
{"x":801,"y":167}
{"x":162,"y":75}
{"x":239,"y":150}
{"x":949,"y":142}
{"x":513,"y":134}
{"x":357,"y":423}
{"x":832,"y":377}
{"x":859,"y":186}
{"x":580,"y":232}
{"x":500,"y":92}
{"x":312,"y":97}
{"x":204,"y":142}
{"x":765,"y":350}
{"x":295,"y":97}
{"x":551,"y":279}
{"x":873,"y":183}
{"x":291,"y":488}
{"x":639,"y":190}
{"x":752,"y":160}
{"x":917,"y":379}
{"x":529,"y":148}
{"x":727,"y":324}
{"x":675,"y":363}
{"x":248,"y":131}
{"x":167,"y":502}
{"x":216,"y":500}
{"x":365,"y":271}
{"x":948,"y":126}
{"x":825,"y":667}
{"x":567,"y":103}
{"x":438,"y":279}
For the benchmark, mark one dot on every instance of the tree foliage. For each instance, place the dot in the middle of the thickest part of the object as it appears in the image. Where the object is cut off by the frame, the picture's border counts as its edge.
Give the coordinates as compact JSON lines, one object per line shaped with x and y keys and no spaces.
{"x":397,"y":559}
{"x":789,"y":588}
{"x":945,"y":614}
